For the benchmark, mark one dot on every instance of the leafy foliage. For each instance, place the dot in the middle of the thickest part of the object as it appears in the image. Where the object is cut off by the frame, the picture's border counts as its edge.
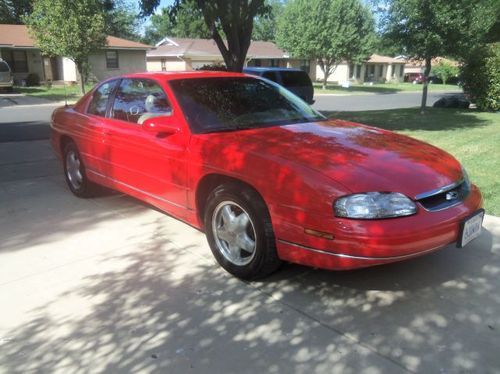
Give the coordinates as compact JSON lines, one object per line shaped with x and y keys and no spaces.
{"x":122,"y":20}
{"x":265,"y":26}
{"x":13,"y":11}
{"x":212,"y":67}
{"x":481,"y":76}
{"x":327,"y":30}
{"x":73,"y":29}
{"x":431,"y":28}
{"x":444,"y":71}
{"x":185,"y":21}
{"x":230,"y":18}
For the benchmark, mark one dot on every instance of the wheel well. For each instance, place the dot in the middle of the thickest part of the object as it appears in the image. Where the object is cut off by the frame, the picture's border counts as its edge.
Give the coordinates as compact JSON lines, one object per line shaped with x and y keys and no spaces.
{"x":65,"y":139}
{"x":208,"y":183}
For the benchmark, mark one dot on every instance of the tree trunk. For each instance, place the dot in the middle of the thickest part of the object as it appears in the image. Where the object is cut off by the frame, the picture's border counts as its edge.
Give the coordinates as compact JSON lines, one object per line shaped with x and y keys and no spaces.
{"x":426,"y":84}
{"x":325,"y":68}
{"x":81,"y":74}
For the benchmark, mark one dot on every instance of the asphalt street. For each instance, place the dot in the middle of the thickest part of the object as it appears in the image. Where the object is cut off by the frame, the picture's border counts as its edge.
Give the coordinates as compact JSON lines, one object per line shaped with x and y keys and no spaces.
{"x":375,"y":101}
{"x":25,"y":122}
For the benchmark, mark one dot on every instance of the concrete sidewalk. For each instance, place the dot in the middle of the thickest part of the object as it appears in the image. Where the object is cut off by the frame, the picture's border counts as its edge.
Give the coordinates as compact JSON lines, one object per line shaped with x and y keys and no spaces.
{"x":111,"y":285}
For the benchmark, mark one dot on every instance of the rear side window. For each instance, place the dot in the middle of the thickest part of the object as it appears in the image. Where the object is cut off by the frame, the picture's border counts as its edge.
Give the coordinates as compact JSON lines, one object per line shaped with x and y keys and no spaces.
{"x":100,"y":99}
{"x":295,"y":78}
{"x":4,"y":68}
{"x":139,"y":99}
{"x":271,"y":75}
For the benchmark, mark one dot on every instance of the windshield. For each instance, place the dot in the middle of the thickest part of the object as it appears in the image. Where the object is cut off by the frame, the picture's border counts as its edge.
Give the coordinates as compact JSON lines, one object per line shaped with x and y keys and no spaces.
{"x":232,"y":103}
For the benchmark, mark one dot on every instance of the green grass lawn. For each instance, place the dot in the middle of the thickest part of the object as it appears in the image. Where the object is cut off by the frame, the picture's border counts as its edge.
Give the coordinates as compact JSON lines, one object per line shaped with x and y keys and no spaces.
{"x":472,"y":137}
{"x":54,"y":93}
{"x":382,"y":88}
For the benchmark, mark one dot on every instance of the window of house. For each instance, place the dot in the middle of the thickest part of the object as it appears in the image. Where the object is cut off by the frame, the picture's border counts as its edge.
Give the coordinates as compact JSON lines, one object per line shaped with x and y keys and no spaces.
{"x":112,"y":60}
{"x":351,"y":71}
{"x":257,"y":62}
{"x":358,"y":71}
{"x":139,"y":99}
{"x":401,"y":70}
{"x":163,"y":65}
{"x":99,"y":102}
{"x":17,"y":60}
{"x":274,"y":63}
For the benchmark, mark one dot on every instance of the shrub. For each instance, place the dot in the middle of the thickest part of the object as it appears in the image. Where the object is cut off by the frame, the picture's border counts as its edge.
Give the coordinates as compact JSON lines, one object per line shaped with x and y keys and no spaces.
{"x":32,"y":80}
{"x":481,"y":77}
{"x":445,"y":71}
{"x":213,"y":67}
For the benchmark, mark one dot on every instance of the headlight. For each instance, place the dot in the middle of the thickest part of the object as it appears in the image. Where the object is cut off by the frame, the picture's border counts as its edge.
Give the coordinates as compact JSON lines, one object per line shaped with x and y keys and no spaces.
{"x":374,"y":205}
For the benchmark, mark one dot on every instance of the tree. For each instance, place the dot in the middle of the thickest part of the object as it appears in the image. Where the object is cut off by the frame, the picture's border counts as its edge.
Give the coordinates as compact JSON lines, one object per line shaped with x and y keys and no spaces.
{"x":444,"y":71}
{"x":265,"y":26}
{"x":230,"y":18}
{"x":74,"y":29}
{"x":185,"y":21}
{"x":431,"y":28}
{"x":121,"y":19}
{"x":12,"y":11}
{"x":330,"y":31}
{"x":481,"y":76}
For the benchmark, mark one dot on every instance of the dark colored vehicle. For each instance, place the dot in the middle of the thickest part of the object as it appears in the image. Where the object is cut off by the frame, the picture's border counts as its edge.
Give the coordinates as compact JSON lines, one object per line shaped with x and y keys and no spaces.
{"x":294,"y":80}
{"x":6,"y":77}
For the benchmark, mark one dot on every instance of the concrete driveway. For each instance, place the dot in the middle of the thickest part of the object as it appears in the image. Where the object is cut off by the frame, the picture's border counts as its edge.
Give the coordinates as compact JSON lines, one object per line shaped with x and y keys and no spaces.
{"x":112,"y":285}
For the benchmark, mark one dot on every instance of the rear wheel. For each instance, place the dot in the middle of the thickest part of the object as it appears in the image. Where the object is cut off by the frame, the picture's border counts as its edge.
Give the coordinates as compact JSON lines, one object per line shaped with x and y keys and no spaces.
{"x":239,"y":231}
{"x":75,"y":173}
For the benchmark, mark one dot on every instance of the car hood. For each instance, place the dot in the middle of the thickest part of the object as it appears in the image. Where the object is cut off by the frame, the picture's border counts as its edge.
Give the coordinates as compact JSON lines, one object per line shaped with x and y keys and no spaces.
{"x":359,"y":157}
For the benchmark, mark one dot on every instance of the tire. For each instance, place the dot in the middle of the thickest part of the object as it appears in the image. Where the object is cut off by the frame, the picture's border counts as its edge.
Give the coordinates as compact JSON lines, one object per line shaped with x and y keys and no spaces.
{"x":75,"y":173}
{"x":230,"y":239}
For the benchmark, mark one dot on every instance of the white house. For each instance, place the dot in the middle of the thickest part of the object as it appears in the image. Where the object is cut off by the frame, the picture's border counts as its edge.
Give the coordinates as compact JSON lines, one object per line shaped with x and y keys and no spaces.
{"x":376,"y":69}
{"x":174,"y":54}
{"x":120,"y":56}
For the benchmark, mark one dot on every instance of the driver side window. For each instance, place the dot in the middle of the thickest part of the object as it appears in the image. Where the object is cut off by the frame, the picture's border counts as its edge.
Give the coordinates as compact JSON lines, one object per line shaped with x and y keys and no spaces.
{"x":139,"y":99}
{"x":99,"y":101}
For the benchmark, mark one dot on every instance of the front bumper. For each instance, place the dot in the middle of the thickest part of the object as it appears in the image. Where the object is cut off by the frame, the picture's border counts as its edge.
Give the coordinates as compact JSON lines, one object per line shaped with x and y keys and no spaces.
{"x":362,"y":243}
{"x":6,"y":84}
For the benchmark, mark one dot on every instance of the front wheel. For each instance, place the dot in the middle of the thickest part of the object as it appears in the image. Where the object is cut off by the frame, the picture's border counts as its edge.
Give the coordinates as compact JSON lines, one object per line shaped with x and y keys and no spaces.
{"x":239,"y":231}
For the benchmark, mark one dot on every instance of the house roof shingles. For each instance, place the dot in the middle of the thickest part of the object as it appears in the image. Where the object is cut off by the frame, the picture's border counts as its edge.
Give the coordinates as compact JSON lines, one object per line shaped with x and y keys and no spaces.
{"x":378,"y":59}
{"x":186,"y":47}
{"x":18,"y":36}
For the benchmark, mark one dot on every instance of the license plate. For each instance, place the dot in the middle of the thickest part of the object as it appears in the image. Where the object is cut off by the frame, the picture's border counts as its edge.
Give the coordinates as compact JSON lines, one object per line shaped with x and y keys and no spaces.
{"x":471,"y":228}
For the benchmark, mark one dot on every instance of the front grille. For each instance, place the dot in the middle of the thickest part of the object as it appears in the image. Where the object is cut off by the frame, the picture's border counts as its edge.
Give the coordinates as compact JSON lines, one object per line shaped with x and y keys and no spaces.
{"x":445,"y":197}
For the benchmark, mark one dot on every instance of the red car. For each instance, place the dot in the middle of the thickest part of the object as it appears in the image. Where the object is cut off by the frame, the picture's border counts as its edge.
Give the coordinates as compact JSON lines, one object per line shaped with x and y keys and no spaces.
{"x":266,"y":177}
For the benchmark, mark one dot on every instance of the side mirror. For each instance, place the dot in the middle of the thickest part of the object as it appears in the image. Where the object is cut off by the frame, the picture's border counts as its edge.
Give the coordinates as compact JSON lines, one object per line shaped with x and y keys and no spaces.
{"x":161,"y":125}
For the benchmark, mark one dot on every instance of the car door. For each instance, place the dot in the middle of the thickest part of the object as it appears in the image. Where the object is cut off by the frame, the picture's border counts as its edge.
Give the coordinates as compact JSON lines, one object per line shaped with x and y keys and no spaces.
{"x":88,"y":128}
{"x":149,"y":164}
{"x":5,"y":75}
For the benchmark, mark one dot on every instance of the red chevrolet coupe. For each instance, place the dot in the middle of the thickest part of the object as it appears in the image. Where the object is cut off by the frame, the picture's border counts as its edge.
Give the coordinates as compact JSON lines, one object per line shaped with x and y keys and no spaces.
{"x":265,"y":176}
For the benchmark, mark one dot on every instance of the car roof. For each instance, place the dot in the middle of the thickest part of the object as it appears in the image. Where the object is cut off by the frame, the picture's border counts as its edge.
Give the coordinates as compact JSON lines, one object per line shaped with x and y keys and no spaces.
{"x":261,"y":69}
{"x":171,"y":75}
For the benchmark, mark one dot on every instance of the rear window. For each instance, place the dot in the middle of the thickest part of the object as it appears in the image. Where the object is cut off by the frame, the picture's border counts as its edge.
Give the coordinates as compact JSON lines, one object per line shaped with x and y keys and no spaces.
{"x":4,"y":67}
{"x":295,"y":78}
